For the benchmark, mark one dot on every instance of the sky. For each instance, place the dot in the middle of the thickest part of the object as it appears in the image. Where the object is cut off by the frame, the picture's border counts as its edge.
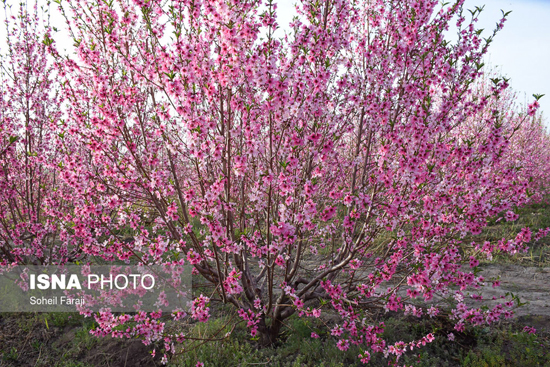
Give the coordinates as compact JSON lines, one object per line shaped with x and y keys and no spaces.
{"x":521,"y":51}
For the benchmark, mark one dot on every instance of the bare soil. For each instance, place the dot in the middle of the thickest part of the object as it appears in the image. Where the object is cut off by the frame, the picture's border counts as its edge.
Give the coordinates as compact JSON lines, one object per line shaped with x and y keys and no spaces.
{"x":54,"y":346}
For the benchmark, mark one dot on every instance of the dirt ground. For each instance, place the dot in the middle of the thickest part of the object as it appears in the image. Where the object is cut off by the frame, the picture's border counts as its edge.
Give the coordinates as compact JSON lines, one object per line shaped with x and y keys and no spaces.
{"x":25,"y":344}
{"x":530,"y":284}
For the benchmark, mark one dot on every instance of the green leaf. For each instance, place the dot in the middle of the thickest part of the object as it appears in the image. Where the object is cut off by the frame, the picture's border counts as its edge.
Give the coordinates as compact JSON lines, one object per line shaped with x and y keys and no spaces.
{"x":47,"y":40}
{"x":171,"y":75}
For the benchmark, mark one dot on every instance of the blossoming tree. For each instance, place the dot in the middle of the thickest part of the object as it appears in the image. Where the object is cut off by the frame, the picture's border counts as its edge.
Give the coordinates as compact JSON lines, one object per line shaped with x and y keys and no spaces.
{"x":335,"y":166}
{"x":34,"y":200}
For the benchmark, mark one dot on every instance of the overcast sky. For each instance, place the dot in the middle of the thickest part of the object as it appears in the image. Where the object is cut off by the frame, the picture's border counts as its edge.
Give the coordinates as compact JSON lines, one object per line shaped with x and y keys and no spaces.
{"x":521,"y":51}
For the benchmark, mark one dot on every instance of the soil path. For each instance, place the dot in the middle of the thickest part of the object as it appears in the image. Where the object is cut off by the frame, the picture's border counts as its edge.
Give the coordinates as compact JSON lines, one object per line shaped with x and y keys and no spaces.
{"x":530,"y":284}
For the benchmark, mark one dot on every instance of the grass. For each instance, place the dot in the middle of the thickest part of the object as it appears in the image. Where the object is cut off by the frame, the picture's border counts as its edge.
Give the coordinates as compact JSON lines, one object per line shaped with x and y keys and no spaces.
{"x":504,"y":345}
{"x":535,"y":216}
{"x":63,"y":340}
{"x":296,"y":348}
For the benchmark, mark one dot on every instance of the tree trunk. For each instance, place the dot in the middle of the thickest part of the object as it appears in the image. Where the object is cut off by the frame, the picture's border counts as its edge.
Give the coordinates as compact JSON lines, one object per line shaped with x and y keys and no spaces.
{"x":269,"y":334}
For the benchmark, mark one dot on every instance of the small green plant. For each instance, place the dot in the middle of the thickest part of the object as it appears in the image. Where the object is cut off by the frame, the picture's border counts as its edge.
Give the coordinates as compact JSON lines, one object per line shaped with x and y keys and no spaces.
{"x":36,"y":344}
{"x":10,"y":355}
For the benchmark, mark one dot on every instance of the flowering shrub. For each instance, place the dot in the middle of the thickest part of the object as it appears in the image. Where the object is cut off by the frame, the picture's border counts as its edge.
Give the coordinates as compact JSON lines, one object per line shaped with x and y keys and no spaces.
{"x":342,"y":162}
